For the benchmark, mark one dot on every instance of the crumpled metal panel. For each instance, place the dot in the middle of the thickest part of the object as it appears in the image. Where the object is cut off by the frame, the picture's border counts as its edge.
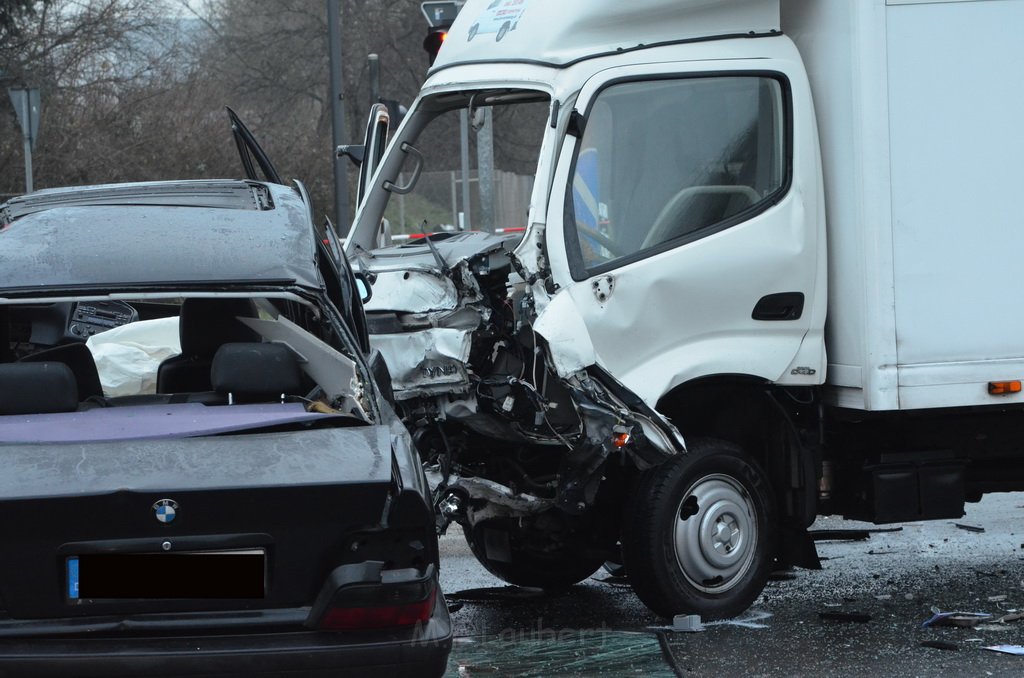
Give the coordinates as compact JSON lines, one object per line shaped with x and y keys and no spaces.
{"x":412,"y":292}
{"x":568,"y":339}
{"x":429,"y":361}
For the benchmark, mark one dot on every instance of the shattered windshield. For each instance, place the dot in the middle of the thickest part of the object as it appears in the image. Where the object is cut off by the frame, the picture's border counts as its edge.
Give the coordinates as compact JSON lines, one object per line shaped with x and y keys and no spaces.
{"x":479,"y":160}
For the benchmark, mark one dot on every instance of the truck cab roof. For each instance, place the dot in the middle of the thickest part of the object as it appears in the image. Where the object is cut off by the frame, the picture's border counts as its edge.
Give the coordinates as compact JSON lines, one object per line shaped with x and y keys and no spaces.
{"x":563,"y":33}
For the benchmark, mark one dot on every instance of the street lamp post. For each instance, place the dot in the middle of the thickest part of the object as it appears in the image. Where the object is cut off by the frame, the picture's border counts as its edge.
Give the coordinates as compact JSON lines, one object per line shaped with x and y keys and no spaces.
{"x":341,"y":215}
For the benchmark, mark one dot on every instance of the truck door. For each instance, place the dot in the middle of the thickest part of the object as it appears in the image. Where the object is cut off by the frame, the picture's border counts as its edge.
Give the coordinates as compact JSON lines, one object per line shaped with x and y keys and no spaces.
{"x":686,"y":225}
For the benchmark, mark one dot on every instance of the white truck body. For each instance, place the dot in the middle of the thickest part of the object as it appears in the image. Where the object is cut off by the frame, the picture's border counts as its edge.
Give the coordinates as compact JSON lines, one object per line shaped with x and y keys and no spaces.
{"x":921,"y":147}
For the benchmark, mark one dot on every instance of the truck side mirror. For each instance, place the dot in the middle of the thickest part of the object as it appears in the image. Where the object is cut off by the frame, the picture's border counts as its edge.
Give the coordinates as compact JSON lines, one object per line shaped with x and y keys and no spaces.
{"x":354,"y":152}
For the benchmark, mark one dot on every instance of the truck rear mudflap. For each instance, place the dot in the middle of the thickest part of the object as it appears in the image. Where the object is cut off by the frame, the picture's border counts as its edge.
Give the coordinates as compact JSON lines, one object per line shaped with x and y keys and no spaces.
{"x":237,"y":522}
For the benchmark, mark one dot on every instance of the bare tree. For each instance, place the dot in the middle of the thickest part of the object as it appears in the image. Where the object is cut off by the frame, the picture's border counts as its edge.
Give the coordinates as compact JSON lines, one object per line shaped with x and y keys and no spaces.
{"x":131,"y":94}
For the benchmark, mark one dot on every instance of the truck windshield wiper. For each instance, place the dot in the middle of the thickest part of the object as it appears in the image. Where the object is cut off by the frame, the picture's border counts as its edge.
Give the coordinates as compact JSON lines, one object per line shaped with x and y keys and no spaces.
{"x":437,"y":256}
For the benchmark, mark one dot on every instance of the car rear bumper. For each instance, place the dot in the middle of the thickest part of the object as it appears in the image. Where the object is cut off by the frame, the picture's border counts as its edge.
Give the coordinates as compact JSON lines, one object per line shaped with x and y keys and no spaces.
{"x":420,"y":651}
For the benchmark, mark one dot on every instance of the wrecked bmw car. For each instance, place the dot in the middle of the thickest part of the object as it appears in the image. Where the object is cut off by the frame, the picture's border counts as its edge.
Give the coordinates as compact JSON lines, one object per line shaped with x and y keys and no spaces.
{"x":201,"y":472}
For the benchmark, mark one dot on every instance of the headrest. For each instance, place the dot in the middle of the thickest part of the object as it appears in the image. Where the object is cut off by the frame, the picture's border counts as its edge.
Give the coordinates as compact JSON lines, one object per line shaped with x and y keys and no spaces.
{"x":79,"y":358}
{"x":204,"y":324}
{"x":252,"y":371}
{"x":37,"y":388}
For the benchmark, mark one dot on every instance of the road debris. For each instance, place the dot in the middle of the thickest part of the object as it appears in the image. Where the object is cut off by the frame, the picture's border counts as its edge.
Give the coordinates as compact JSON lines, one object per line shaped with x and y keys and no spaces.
{"x":970,"y":528}
{"x":962,"y":619}
{"x":782,"y":575}
{"x":687,"y":623}
{"x":940,"y":645}
{"x":855,"y":617}
{"x":497,"y":593}
{"x":1007,"y":649}
{"x":684,"y":623}
{"x":839,"y":535}
{"x":750,"y":620}
{"x":849,"y":535}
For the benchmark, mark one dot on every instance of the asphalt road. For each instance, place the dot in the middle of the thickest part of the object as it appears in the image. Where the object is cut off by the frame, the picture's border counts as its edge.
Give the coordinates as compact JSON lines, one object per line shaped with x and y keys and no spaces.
{"x":889,"y":582}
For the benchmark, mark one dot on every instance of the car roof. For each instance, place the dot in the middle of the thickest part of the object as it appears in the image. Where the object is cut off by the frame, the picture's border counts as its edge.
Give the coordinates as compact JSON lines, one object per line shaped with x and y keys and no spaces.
{"x":192,"y":234}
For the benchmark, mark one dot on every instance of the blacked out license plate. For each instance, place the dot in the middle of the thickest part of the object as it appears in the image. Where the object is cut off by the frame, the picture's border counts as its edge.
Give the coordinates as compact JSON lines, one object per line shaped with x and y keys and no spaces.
{"x":197,"y":574}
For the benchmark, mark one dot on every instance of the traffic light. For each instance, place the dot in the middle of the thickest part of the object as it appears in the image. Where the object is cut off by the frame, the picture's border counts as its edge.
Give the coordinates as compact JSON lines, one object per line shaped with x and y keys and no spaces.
{"x":432,"y":43}
{"x":439,"y":16}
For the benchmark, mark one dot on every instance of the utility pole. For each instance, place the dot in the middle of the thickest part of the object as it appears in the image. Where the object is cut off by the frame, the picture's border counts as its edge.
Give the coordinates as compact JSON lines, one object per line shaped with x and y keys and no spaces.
{"x":341,"y":212}
{"x":467,"y":223}
{"x":26,"y":107}
{"x":485,"y":168}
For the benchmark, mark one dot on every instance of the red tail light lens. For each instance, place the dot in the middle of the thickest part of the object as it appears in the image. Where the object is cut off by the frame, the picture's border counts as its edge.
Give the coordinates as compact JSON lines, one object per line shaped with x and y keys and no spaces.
{"x":391,"y":616}
{"x":363,"y":596}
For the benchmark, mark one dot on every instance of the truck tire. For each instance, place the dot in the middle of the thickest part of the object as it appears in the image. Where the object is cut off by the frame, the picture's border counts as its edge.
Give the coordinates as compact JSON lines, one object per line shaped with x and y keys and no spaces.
{"x":699,"y":532}
{"x":501,"y":32}
{"x":472,"y":32}
{"x":523,"y":567}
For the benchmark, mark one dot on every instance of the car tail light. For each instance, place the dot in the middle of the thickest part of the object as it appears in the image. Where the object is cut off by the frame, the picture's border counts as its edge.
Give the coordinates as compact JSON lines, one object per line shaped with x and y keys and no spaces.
{"x":365,"y":596}
{"x":383,"y":617}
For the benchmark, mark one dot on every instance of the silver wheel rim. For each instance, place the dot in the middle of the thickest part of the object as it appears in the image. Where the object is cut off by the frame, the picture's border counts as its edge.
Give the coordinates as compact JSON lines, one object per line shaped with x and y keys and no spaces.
{"x":716,"y":545}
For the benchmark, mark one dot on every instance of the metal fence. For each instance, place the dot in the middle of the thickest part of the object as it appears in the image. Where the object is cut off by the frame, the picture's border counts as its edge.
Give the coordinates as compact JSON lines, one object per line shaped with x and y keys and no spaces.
{"x":437,"y":200}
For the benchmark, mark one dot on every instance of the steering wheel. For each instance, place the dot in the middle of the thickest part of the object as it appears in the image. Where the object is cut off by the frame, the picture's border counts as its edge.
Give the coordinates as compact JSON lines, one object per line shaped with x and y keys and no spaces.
{"x":667,"y":224}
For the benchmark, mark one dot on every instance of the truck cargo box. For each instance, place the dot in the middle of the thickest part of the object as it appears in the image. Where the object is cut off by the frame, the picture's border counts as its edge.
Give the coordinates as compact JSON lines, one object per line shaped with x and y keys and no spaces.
{"x":921,"y":147}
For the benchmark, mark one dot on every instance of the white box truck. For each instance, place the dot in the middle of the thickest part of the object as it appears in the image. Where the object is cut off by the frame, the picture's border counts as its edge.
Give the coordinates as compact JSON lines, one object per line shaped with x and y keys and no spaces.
{"x":782,"y":231}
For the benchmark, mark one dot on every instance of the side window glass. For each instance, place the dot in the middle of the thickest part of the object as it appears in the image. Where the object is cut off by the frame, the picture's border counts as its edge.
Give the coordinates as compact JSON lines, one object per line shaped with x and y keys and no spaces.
{"x":663,"y":161}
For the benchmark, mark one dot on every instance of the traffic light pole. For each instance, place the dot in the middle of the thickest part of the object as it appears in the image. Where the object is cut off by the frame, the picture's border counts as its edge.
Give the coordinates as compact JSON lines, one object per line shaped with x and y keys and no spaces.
{"x":341,"y":213}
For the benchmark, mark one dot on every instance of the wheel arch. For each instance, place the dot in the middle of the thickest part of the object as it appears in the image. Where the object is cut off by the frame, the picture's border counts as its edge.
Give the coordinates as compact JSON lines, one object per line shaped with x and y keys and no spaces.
{"x":776,"y":426}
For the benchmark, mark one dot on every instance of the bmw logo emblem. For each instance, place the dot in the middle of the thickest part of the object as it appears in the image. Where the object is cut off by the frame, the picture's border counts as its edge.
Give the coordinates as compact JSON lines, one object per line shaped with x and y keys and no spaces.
{"x":165,"y":510}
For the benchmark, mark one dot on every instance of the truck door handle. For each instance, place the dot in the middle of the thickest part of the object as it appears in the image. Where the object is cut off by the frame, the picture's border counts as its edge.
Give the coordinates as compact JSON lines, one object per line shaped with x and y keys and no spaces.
{"x":781,"y":306}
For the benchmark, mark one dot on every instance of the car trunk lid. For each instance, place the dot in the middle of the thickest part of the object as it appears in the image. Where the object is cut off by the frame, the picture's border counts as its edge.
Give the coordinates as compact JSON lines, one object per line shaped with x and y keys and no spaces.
{"x":293,"y":498}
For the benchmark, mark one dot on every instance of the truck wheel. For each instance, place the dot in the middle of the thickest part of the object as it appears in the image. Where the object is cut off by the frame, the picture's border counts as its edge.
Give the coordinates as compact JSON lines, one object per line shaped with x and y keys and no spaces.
{"x":501,"y":32}
{"x":472,"y":32}
{"x":499,"y":550}
{"x":699,"y":532}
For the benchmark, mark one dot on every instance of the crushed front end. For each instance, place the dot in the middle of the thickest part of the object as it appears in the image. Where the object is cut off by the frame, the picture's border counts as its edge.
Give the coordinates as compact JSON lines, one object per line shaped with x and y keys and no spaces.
{"x":530,"y":452}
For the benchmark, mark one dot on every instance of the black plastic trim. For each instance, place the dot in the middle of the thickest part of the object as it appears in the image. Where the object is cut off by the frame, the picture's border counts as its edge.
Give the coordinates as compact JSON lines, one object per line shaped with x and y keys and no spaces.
{"x":779,"y":306}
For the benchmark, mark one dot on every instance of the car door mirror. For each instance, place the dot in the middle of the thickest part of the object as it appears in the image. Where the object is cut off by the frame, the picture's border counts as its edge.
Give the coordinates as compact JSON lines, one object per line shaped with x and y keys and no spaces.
{"x":363,"y":286}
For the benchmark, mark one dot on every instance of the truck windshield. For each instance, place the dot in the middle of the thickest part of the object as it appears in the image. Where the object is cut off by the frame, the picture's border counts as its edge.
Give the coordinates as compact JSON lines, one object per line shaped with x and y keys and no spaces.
{"x":479,"y":160}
